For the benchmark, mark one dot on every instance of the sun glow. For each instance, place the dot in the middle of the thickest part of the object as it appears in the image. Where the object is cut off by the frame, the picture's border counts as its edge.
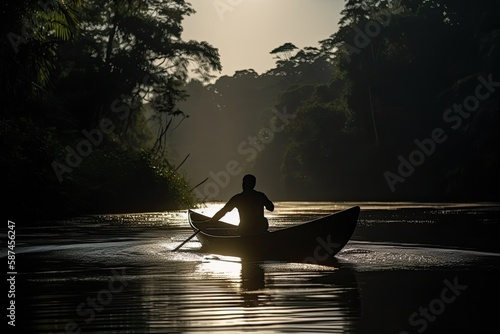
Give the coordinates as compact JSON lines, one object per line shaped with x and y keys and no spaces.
{"x":232,"y":217}
{"x":228,"y":267}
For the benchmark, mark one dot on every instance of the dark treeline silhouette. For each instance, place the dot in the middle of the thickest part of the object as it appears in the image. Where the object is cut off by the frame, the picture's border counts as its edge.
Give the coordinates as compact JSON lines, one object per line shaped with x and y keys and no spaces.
{"x":90,"y":89}
{"x":99,"y":115}
{"x":401,"y":103}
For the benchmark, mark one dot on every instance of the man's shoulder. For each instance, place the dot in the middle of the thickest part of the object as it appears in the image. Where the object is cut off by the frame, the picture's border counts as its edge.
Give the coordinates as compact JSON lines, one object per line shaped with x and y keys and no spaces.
{"x":235,"y":196}
{"x":260,"y":194}
{"x":251,"y":193}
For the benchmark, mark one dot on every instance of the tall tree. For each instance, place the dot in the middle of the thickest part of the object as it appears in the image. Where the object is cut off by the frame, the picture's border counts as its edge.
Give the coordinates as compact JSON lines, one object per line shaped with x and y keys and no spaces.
{"x":135,"y":49}
{"x":31,"y":34}
{"x":70,"y":64}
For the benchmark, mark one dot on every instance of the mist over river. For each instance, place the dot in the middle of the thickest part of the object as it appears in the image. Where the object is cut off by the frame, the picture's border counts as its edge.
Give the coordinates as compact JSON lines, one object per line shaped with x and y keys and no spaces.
{"x":409,"y":268}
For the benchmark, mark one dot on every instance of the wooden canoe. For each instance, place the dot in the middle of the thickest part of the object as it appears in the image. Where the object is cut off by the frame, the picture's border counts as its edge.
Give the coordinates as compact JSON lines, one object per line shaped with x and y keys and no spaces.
{"x":316,"y":241}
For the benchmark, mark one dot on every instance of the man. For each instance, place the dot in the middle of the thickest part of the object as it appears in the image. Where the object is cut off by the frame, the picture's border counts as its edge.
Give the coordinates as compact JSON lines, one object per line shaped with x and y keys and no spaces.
{"x":250,"y":204}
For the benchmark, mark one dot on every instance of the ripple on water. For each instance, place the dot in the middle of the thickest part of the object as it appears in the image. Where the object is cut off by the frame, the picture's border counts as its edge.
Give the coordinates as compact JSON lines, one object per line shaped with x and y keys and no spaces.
{"x":192,"y":292}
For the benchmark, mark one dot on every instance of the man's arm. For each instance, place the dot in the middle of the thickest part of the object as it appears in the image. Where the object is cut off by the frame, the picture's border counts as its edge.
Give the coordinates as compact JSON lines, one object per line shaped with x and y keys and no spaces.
{"x":267,"y":203}
{"x":221,"y":213}
{"x":225,"y":209}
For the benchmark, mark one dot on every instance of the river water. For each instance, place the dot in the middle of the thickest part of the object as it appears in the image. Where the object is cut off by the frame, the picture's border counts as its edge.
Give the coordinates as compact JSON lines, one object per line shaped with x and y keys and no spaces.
{"x":409,"y":268}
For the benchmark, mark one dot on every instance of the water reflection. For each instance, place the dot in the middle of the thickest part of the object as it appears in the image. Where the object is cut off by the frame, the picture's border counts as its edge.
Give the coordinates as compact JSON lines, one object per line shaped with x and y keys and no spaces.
{"x":287,"y":296}
{"x":61,"y":266}
{"x":252,"y":279}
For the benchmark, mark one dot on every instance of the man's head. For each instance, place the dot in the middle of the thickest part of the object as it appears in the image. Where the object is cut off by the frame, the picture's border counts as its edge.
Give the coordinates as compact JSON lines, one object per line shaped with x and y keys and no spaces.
{"x":249,"y":182}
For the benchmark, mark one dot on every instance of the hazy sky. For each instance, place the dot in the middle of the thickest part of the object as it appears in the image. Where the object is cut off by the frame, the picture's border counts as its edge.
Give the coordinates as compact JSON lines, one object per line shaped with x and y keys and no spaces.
{"x":245,"y":31}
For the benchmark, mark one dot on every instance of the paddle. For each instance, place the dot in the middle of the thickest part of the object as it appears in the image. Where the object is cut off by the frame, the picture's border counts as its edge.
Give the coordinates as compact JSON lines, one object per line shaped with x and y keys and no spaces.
{"x":182,"y":244}
{"x":191,"y":237}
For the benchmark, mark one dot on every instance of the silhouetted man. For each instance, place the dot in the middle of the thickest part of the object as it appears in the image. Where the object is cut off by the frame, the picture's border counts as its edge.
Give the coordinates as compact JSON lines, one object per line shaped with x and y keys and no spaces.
{"x":250,"y":204}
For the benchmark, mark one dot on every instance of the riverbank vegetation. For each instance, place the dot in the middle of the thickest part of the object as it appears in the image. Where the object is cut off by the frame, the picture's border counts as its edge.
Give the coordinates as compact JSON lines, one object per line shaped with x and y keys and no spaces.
{"x":90,"y":88}
{"x":400,"y":104}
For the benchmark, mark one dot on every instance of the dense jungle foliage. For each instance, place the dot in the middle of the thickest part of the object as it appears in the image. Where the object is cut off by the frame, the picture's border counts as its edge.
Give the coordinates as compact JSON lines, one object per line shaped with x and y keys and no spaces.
{"x":400,"y":103}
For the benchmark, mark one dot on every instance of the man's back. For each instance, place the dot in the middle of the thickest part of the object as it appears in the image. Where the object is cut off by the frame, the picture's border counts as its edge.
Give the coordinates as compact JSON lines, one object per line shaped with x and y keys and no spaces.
{"x":250,"y":204}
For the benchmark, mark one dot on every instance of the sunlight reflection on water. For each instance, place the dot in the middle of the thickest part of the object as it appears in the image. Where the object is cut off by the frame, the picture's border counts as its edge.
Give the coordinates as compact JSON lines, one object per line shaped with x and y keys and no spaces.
{"x":193,"y":292}
{"x":287,"y":213}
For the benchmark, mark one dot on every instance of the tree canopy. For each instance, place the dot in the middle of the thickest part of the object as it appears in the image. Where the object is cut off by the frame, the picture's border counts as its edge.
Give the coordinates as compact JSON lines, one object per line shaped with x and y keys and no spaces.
{"x":400,"y":103}
{"x":385,"y":108}
{"x":94,"y":85}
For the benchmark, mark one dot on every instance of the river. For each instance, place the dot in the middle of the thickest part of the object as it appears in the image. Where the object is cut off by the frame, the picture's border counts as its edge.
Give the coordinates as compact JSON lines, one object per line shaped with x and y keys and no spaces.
{"x":409,"y":268}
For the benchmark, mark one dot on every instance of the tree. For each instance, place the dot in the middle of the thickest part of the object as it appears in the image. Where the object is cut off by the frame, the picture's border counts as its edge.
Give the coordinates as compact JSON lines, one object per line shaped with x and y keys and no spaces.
{"x":33,"y":32}
{"x":284,"y":51}
{"x":408,"y":62}
{"x":135,"y":49}
{"x":86,"y":62}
